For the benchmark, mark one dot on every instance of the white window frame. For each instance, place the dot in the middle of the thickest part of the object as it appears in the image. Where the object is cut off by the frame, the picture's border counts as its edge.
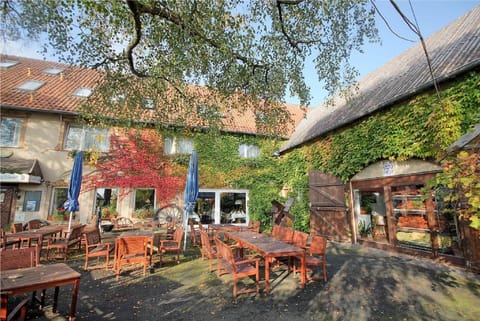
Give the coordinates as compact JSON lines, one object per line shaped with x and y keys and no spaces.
{"x":248,"y":151}
{"x":12,"y":134}
{"x":79,"y":137}
{"x":217,"y":215}
{"x":177,"y":145}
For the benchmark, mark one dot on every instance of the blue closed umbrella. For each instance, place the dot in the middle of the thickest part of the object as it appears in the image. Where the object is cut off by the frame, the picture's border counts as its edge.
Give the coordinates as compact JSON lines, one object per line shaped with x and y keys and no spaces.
{"x":191,"y":191}
{"x":72,"y":204}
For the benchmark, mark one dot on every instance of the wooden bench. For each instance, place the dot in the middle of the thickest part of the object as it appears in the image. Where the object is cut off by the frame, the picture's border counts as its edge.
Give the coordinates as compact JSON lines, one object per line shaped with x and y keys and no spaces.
{"x":237,"y":268}
{"x":61,"y":245}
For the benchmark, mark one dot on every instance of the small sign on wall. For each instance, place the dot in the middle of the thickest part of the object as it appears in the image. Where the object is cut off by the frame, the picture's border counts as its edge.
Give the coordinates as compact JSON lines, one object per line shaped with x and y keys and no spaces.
{"x":388,"y":168}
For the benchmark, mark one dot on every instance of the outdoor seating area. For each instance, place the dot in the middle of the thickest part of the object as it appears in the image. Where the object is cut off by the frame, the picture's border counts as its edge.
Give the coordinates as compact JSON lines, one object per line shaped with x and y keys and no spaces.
{"x":243,"y":260}
{"x":224,"y":245}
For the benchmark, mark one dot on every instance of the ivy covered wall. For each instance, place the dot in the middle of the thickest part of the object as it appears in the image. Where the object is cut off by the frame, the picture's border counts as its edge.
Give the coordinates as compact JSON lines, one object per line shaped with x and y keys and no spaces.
{"x":422,"y":128}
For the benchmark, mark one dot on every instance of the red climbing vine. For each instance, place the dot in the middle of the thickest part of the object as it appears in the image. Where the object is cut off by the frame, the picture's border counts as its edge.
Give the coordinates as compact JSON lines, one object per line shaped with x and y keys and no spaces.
{"x":136,"y":160}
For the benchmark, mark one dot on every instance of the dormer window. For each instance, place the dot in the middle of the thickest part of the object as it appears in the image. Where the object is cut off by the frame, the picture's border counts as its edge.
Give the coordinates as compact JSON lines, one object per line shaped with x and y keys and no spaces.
{"x":53,"y":71}
{"x":83,"y":92}
{"x":118,"y":98}
{"x":31,"y":85}
{"x":149,"y":104}
{"x":7,"y":64}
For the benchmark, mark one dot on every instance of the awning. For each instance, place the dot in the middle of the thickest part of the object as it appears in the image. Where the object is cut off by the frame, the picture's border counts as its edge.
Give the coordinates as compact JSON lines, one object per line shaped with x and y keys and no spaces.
{"x":26,"y":171}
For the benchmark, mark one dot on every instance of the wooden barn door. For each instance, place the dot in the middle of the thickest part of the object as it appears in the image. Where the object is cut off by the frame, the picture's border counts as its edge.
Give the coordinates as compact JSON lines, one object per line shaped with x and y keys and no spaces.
{"x":328,"y":213}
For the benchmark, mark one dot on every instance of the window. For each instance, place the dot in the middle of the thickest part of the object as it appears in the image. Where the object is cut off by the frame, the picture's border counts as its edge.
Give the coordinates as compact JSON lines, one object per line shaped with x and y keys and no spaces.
{"x":106,"y":202}
{"x":8,"y":63}
{"x":10,"y":132}
{"x":144,"y":198}
{"x":83,"y":92}
{"x":32,"y":201}
{"x":248,"y":151}
{"x":177,"y":145}
{"x":85,"y":138}
{"x":149,"y":104}
{"x":222,"y":206}
{"x":60,"y":195}
{"x":31,"y":85}
{"x":53,"y":71}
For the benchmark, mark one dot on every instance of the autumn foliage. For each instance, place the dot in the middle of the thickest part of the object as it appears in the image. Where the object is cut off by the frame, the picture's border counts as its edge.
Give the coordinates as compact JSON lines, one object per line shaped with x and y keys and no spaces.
{"x":136,"y":160}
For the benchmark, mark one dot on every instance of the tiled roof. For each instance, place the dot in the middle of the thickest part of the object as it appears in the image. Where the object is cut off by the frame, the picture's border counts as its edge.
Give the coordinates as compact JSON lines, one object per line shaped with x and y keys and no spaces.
{"x":453,"y":50}
{"x":56,"y":95}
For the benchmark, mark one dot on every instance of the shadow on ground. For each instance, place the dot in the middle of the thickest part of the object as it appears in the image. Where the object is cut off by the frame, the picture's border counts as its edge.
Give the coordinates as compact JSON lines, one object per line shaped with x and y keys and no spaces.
{"x":363,"y":284}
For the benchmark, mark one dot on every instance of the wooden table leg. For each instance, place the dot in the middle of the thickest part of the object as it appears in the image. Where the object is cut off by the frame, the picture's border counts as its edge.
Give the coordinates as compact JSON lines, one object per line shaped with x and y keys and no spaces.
{"x":3,"y":314}
{"x":55,"y":299}
{"x":73,"y":306}
{"x":304,"y":270}
{"x":267,"y":275}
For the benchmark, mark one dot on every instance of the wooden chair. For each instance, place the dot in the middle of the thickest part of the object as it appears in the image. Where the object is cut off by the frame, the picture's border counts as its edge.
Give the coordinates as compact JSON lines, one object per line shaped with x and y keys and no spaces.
{"x":18,"y":258}
{"x":133,"y":250}
{"x":173,"y":245}
{"x":208,"y":248}
{"x":20,"y":309}
{"x":254,"y":226}
{"x":282,"y":233}
{"x":95,"y":248}
{"x":316,"y":256}
{"x":300,"y":239}
{"x":34,"y":225}
{"x":194,"y":233}
{"x":61,"y":245}
{"x":17,"y":227}
{"x":238,"y":268}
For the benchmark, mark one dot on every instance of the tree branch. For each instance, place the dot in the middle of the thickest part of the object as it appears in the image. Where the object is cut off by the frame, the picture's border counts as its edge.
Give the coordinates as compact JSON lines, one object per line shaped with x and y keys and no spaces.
{"x":174,"y":19}
{"x":132,"y":5}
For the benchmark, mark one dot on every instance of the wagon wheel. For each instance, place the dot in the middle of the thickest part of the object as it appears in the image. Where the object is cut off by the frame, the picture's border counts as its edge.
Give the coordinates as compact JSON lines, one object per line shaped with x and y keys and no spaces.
{"x":170,"y":214}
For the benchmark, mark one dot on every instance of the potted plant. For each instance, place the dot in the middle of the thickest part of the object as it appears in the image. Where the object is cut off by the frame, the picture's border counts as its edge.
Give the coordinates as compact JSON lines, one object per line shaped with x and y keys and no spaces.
{"x":364,"y":229}
{"x":366,"y":204}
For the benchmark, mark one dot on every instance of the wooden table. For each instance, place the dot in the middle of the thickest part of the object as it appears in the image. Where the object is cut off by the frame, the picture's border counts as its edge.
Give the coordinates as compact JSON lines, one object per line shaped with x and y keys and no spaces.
{"x":269,"y":248}
{"x":227,"y":227}
{"x":37,"y":235}
{"x":39,"y":278}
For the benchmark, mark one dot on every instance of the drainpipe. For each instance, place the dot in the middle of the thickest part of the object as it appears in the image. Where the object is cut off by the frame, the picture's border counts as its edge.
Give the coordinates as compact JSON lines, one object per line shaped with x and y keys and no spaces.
{"x":352,"y":216}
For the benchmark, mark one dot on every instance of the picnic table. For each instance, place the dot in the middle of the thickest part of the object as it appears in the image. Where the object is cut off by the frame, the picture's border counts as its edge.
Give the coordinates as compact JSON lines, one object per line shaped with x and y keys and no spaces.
{"x":269,"y":248}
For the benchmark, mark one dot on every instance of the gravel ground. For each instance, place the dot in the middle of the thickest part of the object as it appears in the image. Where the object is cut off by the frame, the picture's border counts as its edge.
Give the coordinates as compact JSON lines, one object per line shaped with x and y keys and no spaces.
{"x":363,"y":284}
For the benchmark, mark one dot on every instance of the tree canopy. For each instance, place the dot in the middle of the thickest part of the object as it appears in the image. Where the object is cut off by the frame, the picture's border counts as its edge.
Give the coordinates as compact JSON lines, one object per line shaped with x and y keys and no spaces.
{"x":255,"y":49}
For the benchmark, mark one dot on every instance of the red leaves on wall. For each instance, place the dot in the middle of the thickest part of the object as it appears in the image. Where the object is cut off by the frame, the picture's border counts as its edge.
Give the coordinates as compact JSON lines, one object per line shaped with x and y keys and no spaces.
{"x":136,"y":160}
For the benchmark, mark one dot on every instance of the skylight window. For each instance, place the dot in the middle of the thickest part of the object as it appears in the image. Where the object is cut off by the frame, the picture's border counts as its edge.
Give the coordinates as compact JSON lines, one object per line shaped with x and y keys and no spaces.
{"x":118,"y":98}
{"x":31,"y":85}
{"x":149,"y":104}
{"x":7,"y":64}
{"x":53,"y":71}
{"x":83,"y":92}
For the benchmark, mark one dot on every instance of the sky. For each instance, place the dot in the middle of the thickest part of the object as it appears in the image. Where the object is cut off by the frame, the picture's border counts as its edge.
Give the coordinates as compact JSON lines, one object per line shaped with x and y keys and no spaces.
{"x":431,"y":16}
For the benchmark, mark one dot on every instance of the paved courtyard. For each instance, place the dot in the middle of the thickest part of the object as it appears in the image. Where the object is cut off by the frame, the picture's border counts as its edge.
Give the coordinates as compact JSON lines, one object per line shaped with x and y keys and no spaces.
{"x":363,"y":284}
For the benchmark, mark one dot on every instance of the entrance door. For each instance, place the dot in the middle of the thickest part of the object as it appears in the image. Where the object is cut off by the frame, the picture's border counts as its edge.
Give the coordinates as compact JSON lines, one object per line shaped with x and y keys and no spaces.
{"x":328,"y":214}
{"x":7,"y":197}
